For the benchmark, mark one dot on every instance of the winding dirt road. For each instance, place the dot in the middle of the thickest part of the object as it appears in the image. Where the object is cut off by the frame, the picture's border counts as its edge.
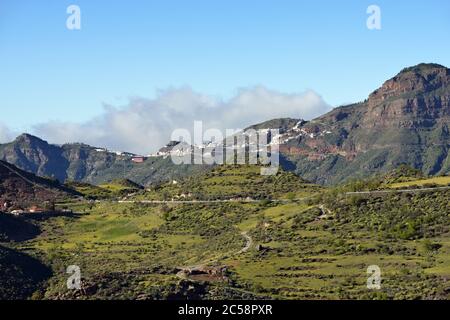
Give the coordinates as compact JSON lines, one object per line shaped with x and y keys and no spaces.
{"x":249,"y":243}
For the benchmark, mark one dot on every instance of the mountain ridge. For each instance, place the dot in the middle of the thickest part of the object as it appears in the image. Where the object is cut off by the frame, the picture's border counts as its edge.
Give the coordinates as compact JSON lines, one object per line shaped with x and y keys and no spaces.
{"x":83,"y":163}
{"x":405,"y":121}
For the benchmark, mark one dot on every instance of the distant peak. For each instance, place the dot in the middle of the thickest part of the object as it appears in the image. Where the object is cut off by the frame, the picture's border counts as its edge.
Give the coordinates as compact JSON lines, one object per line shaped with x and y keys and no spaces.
{"x":423,"y":68}
{"x":26,"y":137}
{"x":421,"y":78}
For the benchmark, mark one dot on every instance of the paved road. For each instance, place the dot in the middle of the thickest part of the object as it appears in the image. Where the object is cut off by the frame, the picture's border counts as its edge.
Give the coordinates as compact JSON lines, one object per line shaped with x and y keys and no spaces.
{"x":398,"y":191}
{"x":380,"y":192}
{"x":186,"y":201}
{"x":211,"y":201}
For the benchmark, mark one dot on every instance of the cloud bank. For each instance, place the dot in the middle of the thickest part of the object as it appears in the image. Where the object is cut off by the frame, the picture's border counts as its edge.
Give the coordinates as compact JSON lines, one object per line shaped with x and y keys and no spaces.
{"x":6,"y":135}
{"x":144,"y":125}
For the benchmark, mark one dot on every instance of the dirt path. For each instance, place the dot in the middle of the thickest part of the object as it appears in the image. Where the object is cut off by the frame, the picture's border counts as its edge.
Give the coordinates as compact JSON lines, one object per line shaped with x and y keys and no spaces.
{"x":187,"y":269}
{"x":325,"y":212}
{"x":249,"y":243}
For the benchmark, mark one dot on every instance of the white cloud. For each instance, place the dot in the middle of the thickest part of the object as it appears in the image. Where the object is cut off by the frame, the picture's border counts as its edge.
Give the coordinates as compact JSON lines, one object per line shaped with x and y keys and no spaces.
{"x":6,"y":135}
{"x":144,"y":125}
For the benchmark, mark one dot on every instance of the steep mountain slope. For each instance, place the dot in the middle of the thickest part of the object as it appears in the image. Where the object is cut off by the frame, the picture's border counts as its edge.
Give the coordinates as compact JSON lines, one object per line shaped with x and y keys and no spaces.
{"x":22,"y":189}
{"x":405,"y":121}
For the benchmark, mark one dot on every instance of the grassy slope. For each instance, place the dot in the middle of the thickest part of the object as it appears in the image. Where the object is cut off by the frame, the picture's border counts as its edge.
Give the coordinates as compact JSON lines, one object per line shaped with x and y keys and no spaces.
{"x":228,"y":182}
{"x":308,"y":255}
{"x":115,"y":189}
{"x":440,"y":181}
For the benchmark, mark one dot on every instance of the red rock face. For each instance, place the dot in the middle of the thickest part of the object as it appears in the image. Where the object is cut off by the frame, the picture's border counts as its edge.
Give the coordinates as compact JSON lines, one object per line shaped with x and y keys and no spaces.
{"x":410,"y":98}
{"x":416,"y":100}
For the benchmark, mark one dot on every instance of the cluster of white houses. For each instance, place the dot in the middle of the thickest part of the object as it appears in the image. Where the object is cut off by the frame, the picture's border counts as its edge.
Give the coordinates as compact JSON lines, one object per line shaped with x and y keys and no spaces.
{"x":133,"y":157}
{"x":177,"y":148}
{"x":167,"y":150}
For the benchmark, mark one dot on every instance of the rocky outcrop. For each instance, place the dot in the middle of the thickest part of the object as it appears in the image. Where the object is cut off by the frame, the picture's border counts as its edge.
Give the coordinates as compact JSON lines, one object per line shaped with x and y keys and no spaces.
{"x":405,"y":121}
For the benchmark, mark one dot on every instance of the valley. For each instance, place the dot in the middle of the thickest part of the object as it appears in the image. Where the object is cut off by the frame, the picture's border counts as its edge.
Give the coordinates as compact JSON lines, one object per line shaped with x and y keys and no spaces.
{"x":314,"y":244}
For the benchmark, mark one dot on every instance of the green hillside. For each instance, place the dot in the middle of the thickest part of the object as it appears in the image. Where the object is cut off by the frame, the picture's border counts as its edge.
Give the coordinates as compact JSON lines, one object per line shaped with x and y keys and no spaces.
{"x":294,"y":241}
{"x":117,"y":188}
{"x":232,"y":182}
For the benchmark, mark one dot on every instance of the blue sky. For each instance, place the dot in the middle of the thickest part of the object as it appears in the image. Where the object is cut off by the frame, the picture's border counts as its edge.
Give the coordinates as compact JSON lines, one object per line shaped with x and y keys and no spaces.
{"x":136,"y":48}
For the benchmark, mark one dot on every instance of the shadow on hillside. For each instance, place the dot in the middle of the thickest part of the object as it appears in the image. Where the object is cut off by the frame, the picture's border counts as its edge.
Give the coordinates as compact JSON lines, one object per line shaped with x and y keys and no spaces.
{"x":286,"y":164}
{"x":23,"y":228}
{"x":22,"y":275}
{"x":49,"y":215}
{"x":17,"y":229}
